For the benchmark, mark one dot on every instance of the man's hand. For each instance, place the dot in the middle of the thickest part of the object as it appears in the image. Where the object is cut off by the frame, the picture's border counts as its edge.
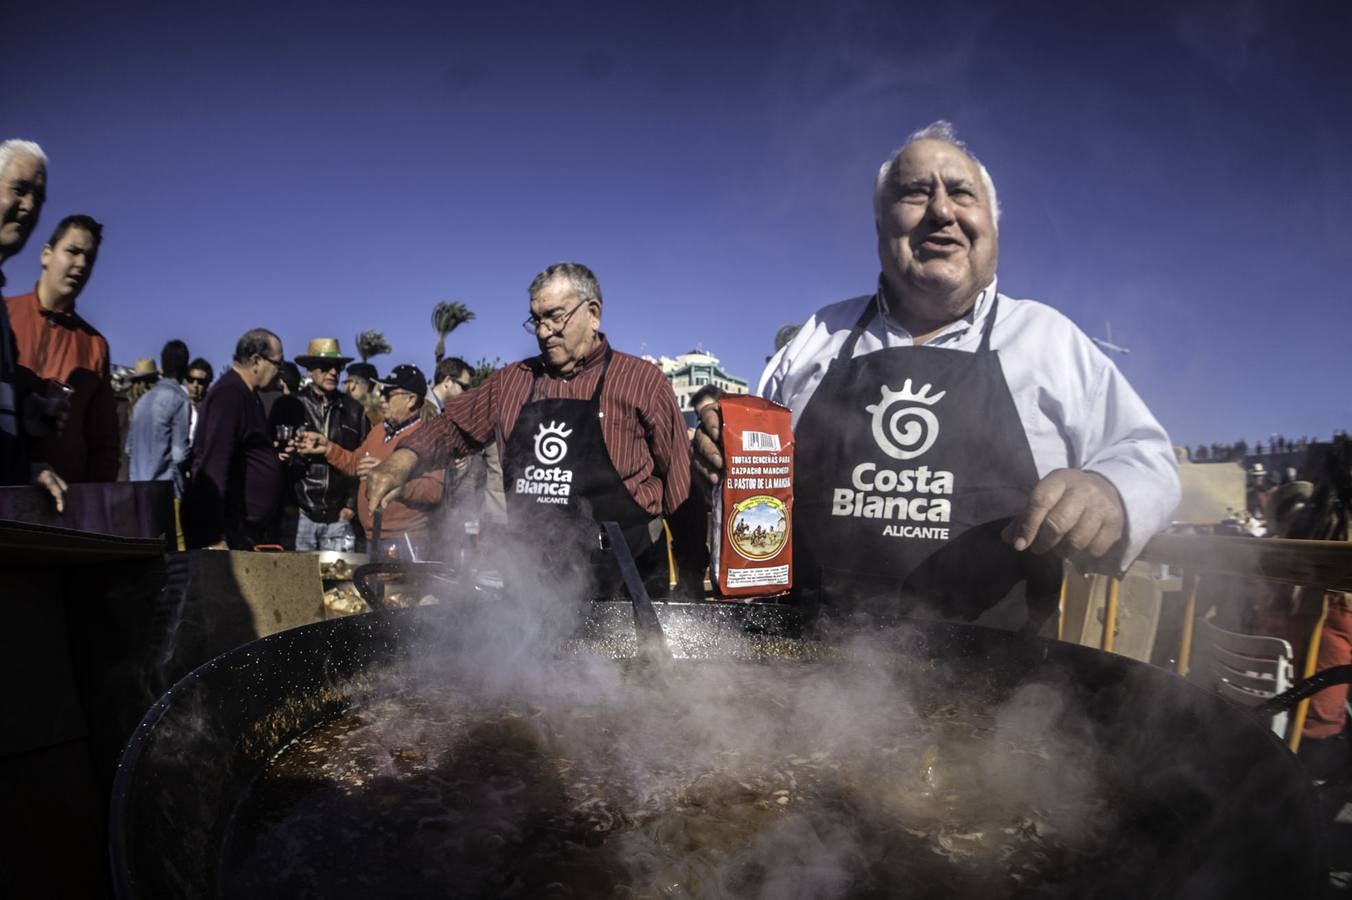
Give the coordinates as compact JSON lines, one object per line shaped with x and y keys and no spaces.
{"x":46,"y":479}
{"x":366,"y":464}
{"x":706,"y":461}
{"x":388,"y":479}
{"x":1077,"y":514}
{"x":345,"y":514}
{"x":310,"y":443}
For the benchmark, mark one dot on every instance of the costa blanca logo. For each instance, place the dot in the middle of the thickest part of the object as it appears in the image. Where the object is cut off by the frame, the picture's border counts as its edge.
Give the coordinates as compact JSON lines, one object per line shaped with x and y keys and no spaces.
{"x":551,"y":444}
{"x":907,"y":431}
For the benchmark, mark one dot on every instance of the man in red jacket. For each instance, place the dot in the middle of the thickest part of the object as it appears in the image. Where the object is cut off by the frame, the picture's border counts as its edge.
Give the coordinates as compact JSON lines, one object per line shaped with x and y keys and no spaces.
{"x":406,"y":520}
{"x":57,"y":343}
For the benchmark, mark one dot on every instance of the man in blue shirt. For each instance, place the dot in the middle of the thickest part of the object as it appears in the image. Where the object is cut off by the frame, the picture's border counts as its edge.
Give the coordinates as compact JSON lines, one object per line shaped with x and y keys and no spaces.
{"x":157,"y":438}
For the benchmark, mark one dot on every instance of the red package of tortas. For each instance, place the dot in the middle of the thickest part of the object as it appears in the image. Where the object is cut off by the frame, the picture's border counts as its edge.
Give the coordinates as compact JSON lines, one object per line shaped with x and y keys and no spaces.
{"x":751,"y":524}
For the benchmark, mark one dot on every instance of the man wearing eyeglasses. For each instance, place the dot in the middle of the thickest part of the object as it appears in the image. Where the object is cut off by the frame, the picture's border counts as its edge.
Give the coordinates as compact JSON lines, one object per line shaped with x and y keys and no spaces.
{"x":236,"y":483}
{"x":406,"y":521}
{"x":200,"y":376}
{"x":467,"y":478}
{"x":583,"y":429}
{"x":325,"y":496}
{"x":451,"y":378}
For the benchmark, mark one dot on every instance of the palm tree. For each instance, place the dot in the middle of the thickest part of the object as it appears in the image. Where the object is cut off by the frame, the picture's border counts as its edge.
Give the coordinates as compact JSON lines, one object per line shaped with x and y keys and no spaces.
{"x":447,"y":317}
{"x":372,"y":343}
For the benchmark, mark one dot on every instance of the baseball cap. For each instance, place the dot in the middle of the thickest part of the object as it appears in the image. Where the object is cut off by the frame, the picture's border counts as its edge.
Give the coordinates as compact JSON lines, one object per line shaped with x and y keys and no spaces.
{"x":408,"y":378}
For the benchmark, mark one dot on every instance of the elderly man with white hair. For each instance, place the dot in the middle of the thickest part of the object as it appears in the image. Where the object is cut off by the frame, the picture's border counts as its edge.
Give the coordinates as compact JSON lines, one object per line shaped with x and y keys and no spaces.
{"x":23,"y":189}
{"x":948,"y":436}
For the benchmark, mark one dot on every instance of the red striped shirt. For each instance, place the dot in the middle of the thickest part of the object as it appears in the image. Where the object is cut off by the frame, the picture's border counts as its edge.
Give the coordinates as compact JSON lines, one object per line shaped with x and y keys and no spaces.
{"x":642,"y":425}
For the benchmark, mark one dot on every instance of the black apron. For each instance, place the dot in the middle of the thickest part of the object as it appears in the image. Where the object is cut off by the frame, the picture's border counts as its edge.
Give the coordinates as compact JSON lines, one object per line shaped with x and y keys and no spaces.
{"x":911,"y":462}
{"x":558,"y":475}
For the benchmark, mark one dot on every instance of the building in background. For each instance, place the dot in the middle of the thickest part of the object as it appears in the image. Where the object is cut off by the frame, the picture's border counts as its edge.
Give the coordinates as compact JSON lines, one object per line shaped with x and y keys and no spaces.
{"x":691,"y":371}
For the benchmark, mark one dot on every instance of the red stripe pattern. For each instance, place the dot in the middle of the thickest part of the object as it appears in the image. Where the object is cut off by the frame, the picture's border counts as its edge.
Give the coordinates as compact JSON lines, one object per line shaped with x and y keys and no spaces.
{"x":641,"y":422}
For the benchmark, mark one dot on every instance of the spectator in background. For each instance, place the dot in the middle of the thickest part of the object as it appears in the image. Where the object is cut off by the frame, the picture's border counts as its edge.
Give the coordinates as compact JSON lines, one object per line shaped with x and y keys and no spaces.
{"x":144,"y":374}
{"x":1256,"y":491}
{"x":55,"y":342}
{"x":465,"y":477}
{"x":23,"y":188}
{"x":361,"y":385}
{"x":236,"y":482}
{"x":157,"y":437}
{"x":690,"y":522}
{"x":288,"y":383}
{"x":1321,"y":512}
{"x":407,"y":518}
{"x":325,"y":496}
{"x":451,"y":378}
{"x":200,"y":376}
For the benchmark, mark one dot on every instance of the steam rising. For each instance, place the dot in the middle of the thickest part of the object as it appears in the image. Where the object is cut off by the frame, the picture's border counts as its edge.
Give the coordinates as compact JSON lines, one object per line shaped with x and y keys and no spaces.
{"x":719,"y":778}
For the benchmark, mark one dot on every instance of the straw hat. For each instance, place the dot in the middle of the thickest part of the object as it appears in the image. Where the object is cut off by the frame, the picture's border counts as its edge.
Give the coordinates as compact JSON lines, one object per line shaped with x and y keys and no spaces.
{"x":145,"y":370}
{"x":322,"y":350}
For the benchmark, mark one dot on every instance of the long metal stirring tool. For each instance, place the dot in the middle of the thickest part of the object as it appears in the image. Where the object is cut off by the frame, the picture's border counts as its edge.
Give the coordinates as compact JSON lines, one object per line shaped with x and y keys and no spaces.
{"x":652,"y":640}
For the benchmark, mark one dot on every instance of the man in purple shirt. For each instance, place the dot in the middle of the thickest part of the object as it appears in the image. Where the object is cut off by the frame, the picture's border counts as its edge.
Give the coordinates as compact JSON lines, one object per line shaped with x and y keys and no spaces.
{"x":236,"y":482}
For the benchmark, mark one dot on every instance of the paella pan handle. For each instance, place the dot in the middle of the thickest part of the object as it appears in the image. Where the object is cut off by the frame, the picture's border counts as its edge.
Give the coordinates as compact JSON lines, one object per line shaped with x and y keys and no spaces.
{"x":1287,"y":699}
{"x":650,"y":634}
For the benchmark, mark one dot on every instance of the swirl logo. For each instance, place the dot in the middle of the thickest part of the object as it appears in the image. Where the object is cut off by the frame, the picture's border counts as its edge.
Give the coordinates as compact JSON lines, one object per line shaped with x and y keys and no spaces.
{"x":551,"y":444}
{"x":907,"y":431}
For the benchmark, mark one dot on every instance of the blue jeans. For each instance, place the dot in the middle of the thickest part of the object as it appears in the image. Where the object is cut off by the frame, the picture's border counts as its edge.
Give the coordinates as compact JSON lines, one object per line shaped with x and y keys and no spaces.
{"x":312,"y":535}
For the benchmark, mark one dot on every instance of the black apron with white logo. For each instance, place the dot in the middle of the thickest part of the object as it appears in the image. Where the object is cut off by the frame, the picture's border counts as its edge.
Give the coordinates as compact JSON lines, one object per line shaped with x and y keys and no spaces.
{"x":557,"y":470}
{"x":912,"y":460}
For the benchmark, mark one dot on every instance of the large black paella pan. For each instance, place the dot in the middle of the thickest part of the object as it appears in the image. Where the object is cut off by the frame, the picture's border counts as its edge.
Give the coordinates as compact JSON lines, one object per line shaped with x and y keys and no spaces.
{"x":391,"y":755}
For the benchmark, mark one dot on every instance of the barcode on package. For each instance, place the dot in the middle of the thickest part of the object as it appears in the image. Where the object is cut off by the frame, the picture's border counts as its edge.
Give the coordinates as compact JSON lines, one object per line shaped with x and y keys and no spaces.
{"x":753,"y":441}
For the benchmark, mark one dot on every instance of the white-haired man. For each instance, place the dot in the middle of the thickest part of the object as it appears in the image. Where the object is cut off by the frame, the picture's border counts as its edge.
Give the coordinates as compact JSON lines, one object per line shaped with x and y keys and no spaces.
{"x":949,"y":436}
{"x":23,"y":189}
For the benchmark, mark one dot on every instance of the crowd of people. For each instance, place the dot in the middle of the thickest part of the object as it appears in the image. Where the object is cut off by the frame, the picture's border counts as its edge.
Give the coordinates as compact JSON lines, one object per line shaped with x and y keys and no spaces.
{"x":268,"y":456}
{"x":259,"y":456}
{"x":1240,"y":450}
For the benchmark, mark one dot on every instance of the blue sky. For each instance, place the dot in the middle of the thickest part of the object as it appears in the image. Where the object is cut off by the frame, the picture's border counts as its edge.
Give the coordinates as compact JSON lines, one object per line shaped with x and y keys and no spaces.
{"x":1180,"y":170}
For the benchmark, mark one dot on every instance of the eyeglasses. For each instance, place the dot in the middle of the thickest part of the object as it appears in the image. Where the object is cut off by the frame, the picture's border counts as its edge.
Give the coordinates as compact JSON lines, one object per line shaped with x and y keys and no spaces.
{"x":275,"y":362}
{"x":326,"y":367}
{"x":555,"y":321}
{"x":391,"y":393}
{"x":194,"y":379}
{"x":464,"y":385}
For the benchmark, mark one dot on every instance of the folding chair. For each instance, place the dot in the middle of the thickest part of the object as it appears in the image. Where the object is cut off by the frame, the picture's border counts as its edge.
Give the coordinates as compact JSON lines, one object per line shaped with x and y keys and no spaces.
{"x":1244,"y":668}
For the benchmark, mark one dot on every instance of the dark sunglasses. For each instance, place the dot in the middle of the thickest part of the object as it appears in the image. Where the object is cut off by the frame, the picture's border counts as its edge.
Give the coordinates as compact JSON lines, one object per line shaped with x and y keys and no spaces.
{"x":327,"y":367}
{"x":194,"y":379}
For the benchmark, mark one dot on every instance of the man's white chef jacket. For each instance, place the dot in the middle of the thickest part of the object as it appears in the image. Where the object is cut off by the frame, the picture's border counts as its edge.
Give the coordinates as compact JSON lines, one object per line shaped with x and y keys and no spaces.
{"x":1076,"y":408}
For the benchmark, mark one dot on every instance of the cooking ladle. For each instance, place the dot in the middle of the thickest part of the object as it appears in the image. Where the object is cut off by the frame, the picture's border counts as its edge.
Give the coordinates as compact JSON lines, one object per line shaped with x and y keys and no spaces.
{"x":651,"y":639}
